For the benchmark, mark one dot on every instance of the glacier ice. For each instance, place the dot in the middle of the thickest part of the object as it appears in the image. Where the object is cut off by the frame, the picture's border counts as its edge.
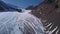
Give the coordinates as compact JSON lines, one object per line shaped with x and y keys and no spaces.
{"x":20,"y":23}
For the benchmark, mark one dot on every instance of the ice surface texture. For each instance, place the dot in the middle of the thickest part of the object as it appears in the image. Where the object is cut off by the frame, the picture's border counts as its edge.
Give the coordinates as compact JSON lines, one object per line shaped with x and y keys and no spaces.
{"x":20,"y":23}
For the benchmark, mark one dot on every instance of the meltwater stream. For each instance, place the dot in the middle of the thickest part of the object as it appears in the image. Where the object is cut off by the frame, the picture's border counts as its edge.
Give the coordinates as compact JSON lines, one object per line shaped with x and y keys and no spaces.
{"x":20,"y":23}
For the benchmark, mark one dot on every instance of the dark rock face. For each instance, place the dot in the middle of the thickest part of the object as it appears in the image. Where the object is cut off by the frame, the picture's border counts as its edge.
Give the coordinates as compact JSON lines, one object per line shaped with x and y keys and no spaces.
{"x":49,"y":10}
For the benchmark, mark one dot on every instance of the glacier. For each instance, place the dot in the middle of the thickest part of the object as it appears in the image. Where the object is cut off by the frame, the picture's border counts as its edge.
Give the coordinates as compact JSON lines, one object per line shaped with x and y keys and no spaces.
{"x":20,"y":23}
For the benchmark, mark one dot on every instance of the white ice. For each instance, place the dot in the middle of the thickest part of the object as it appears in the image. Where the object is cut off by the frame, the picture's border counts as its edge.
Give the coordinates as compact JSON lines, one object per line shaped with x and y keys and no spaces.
{"x":11,"y":21}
